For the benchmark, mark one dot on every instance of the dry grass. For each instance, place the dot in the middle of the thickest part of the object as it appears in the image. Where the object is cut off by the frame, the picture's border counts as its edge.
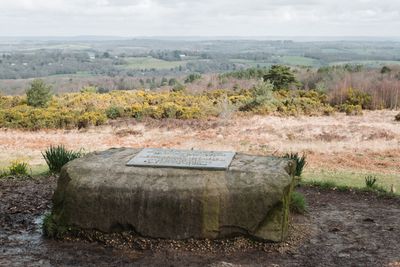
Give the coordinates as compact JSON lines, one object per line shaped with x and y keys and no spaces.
{"x":365,"y":143}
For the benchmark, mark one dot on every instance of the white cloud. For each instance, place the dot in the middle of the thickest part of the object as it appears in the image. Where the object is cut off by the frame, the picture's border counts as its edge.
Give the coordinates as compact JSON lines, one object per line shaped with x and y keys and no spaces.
{"x":193,"y":17}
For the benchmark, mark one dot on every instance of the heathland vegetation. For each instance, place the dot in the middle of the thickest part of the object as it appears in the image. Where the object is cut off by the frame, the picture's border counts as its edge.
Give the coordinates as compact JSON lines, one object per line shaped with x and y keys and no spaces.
{"x":277,"y":90}
{"x":84,"y":109}
{"x":78,"y":84}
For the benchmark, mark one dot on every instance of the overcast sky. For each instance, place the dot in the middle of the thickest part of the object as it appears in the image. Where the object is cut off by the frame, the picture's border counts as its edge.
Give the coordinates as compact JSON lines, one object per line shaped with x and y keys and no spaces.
{"x":200,"y":17}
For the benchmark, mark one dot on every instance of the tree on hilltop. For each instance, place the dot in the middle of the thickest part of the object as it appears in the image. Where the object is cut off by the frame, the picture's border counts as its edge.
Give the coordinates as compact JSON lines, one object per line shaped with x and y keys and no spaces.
{"x":281,"y":77}
{"x":39,"y":93}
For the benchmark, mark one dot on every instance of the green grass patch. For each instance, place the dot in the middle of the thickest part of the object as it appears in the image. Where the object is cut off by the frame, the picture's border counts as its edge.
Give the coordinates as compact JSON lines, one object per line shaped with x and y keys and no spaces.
{"x":329,"y":185}
{"x":298,"y":60}
{"x":27,"y":172}
{"x":348,"y":180}
{"x":151,"y":63}
{"x":351,"y":179}
{"x":298,"y":203}
{"x":39,"y":170}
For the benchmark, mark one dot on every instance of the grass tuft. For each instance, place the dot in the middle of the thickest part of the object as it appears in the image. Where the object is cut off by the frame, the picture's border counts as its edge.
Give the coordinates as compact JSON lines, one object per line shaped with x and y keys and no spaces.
{"x":301,"y":162}
{"x":3,"y":173}
{"x":58,"y":156}
{"x":370,"y":181}
{"x":49,"y":228}
{"x":18,"y":168}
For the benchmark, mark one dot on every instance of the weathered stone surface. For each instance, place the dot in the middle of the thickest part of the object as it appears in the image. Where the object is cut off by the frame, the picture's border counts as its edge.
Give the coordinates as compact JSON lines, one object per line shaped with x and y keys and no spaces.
{"x":100,"y":192}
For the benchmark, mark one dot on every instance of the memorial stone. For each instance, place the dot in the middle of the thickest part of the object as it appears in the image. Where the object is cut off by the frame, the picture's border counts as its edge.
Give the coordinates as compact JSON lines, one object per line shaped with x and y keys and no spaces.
{"x":176,"y":194}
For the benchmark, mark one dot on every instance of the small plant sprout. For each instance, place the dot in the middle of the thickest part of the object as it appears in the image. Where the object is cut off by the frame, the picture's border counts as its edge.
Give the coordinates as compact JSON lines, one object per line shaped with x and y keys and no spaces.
{"x":370,"y":181}
{"x":18,"y":168}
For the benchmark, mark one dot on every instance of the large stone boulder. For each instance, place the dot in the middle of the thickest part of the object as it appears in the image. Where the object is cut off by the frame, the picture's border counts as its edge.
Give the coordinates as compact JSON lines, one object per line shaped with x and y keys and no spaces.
{"x":250,"y":198}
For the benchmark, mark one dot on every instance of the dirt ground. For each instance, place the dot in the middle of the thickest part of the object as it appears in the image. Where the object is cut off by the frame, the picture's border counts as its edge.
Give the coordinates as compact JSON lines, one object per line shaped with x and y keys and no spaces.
{"x":340,"y":229}
{"x":368,"y":143}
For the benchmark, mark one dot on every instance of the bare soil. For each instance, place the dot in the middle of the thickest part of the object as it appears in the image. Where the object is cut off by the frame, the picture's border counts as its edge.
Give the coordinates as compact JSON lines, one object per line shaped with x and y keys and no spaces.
{"x":340,"y":229}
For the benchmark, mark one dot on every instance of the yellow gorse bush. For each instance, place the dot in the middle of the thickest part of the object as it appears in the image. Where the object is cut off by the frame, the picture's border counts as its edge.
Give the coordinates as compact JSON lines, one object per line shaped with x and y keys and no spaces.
{"x":78,"y":110}
{"x":86,"y":108}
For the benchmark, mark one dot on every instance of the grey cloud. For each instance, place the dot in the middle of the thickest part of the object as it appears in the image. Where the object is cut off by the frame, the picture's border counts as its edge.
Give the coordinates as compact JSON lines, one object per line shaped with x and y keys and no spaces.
{"x":194,"y":17}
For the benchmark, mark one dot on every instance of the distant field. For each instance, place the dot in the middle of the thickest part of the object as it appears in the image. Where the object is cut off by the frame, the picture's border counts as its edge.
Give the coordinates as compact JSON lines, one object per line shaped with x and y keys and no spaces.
{"x":371,"y":63}
{"x":78,"y":74}
{"x":60,"y":46}
{"x":251,"y":63}
{"x":331,"y":50}
{"x":288,"y":60}
{"x":152,"y":63}
{"x":298,"y":60}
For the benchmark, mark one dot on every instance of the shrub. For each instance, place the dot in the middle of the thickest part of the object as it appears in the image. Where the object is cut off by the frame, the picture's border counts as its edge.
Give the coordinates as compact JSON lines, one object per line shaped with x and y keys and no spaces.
{"x":298,"y":203}
{"x":385,"y":69}
{"x":102,"y":90}
{"x":88,"y":90}
{"x":172,"y":82}
{"x":192,"y":77}
{"x":39,"y":94}
{"x":281,"y":77}
{"x":91,"y":118}
{"x":58,"y":156}
{"x":261,"y":95}
{"x":114,"y":112}
{"x":358,"y":98}
{"x":84,"y":109}
{"x":136,"y":111}
{"x":245,"y":74}
{"x":301,"y":162}
{"x":350,"y":109}
{"x":397,"y":117}
{"x":18,"y":168}
{"x":171,"y":110}
{"x":178,"y":87}
{"x":328,"y":110}
{"x":370,"y":181}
